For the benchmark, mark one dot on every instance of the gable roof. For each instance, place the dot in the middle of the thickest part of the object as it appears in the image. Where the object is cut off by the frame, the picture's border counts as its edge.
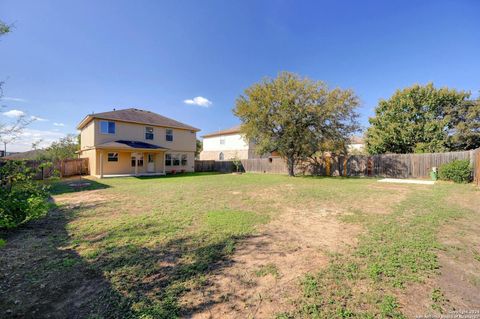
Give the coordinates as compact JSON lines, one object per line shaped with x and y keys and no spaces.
{"x":228,"y":131}
{"x":133,"y":115}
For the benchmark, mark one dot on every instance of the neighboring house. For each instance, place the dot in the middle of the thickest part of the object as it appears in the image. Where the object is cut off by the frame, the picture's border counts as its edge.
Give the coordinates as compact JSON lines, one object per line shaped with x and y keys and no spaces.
{"x":230,"y":143}
{"x":226,"y":145}
{"x":357,"y":145}
{"x":136,"y":142}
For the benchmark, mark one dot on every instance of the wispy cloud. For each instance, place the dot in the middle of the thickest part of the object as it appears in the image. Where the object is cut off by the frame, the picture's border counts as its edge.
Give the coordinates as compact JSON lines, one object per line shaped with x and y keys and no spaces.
{"x":28,"y":136}
{"x":58,"y":124}
{"x":199,"y":100}
{"x":13,"y":99}
{"x":36,"y":118}
{"x":14,"y":113}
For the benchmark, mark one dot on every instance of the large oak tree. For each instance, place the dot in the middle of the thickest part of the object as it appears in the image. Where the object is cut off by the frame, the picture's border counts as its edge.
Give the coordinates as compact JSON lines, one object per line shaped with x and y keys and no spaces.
{"x":295,"y":116}
{"x":422,"y":119}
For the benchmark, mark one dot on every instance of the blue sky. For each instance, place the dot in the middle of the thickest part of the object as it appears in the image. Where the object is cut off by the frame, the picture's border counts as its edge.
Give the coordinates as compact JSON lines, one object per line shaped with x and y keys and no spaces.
{"x":65,"y":59}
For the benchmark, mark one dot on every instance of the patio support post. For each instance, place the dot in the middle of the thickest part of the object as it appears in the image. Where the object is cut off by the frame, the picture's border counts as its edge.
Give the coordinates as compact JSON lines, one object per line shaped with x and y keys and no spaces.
{"x":164,"y":157}
{"x":136,"y":163}
{"x":101,"y":164}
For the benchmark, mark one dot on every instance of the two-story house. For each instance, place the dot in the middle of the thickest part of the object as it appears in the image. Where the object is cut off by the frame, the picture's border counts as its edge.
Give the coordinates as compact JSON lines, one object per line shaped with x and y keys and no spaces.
{"x":226,"y":145}
{"x":230,"y":143}
{"x":136,"y":142}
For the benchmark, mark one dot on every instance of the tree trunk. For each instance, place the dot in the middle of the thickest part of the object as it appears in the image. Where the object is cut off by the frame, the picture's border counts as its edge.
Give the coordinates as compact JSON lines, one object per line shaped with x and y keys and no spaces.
{"x":291,"y":166}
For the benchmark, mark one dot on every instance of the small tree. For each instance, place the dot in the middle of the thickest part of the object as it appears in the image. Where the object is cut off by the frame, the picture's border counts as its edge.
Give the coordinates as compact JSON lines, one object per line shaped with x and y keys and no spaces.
{"x":294,"y":116}
{"x":64,"y":148}
{"x":199,"y":147}
{"x":237,"y":162}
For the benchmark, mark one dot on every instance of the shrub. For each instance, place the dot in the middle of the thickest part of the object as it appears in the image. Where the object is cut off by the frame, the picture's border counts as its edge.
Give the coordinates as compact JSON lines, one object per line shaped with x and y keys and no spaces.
{"x":458,"y":171}
{"x":22,"y":198}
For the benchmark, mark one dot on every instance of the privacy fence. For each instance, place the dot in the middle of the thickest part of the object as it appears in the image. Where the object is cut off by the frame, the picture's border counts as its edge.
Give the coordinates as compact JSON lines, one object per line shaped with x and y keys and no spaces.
{"x":387,"y":165}
{"x":63,"y":168}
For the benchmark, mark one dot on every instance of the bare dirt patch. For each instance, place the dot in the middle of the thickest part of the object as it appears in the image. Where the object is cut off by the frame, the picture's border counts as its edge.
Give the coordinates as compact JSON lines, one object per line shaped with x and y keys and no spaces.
{"x":297,"y":242}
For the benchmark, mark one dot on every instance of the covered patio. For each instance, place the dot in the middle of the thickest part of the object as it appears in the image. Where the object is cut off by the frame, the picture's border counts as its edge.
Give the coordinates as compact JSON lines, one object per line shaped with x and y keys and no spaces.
{"x":130,"y":158}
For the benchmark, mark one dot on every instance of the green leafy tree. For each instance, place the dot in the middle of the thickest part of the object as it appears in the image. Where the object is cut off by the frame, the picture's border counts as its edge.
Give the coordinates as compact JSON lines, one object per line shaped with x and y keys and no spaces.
{"x":4,"y":28}
{"x":464,"y":126}
{"x":64,"y":148}
{"x":294,"y":116}
{"x":199,"y":148}
{"x":421,"y":119}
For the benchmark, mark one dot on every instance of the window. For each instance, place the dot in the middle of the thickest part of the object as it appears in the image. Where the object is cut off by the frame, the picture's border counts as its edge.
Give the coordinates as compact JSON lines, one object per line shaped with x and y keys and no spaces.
{"x":222,"y":140}
{"x":176,"y":160}
{"x":139,"y":159}
{"x":107,"y":127}
{"x":221,"y":157}
{"x":113,"y":157}
{"x":168,"y":159}
{"x":149,"y":133}
{"x":169,"y":135}
{"x":184,"y":159}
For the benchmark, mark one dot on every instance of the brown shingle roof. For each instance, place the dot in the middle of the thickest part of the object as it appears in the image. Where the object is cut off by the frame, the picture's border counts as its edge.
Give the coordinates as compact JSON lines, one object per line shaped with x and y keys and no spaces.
{"x":137,"y":116}
{"x":228,"y":131}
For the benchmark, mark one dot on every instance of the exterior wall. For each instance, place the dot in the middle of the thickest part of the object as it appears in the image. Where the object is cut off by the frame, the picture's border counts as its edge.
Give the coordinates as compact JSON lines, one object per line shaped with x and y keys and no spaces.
{"x":235,"y":145}
{"x":87,"y":136}
{"x":124,"y":164}
{"x":92,"y":161}
{"x":183,"y":140}
{"x":232,"y":142}
{"x":227,"y":155}
{"x":190,"y":167}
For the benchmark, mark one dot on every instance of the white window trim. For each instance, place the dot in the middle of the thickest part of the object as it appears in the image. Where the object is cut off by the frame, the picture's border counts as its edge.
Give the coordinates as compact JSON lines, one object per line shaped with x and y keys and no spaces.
{"x":173,"y":138}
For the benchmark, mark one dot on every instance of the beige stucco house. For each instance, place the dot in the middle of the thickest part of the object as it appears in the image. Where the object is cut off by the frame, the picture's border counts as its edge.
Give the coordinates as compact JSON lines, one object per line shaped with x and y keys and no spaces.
{"x":136,"y":142}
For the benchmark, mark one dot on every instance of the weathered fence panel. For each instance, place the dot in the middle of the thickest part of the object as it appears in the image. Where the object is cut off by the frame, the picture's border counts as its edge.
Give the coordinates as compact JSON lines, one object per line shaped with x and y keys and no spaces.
{"x":476,"y":173}
{"x":385,"y":165}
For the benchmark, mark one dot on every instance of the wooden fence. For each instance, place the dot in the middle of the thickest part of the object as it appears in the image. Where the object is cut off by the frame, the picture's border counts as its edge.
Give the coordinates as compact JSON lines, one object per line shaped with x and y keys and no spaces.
{"x":476,"y":173}
{"x":214,"y":166}
{"x":387,"y":165}
{"x":65,"y":168}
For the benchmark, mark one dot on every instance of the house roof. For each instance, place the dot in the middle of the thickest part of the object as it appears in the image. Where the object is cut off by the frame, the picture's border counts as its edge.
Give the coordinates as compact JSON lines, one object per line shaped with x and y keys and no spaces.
{"x":137,"y":116}
{"x":228,"y":131}
{"x":356,"y":140}
{"x":132,"y":145}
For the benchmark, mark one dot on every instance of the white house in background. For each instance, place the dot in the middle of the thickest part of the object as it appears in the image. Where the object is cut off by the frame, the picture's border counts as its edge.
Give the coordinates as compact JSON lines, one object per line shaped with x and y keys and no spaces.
{"x":230,"y":143}
{"x":357,"y":144}
{"x":227,"y":144}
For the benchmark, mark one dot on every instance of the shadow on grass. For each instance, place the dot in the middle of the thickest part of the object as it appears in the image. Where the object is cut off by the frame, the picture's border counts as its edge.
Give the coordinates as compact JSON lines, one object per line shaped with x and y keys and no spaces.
{"x":42,"y":275}
{"x":190,"y":174}
{"x":74,"y":185}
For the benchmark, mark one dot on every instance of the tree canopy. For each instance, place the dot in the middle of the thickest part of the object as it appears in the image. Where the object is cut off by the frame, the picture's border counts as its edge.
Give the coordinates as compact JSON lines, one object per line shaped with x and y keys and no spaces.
{"x":295,"y":116}
{"x":422,"y":119}
{"x":64,"y":148}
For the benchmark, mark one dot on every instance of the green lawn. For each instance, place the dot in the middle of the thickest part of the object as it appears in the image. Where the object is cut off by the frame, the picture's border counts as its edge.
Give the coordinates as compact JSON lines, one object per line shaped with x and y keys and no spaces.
{"x":142,"y":247}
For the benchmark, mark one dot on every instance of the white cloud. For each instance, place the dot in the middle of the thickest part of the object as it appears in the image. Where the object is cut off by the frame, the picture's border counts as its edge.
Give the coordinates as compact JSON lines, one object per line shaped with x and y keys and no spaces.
{"x":199,"y":100}
{"x":14,"y":113}
{"x":36,"y":118}
{"x":28,"y":136}
{"x":13,"y":99}
{"x":58,"y":124}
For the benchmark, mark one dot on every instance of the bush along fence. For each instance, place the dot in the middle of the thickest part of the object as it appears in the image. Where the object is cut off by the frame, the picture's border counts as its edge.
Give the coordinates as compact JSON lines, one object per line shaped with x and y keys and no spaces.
{"x":62,"y":168}
{"x":386,"y":165}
